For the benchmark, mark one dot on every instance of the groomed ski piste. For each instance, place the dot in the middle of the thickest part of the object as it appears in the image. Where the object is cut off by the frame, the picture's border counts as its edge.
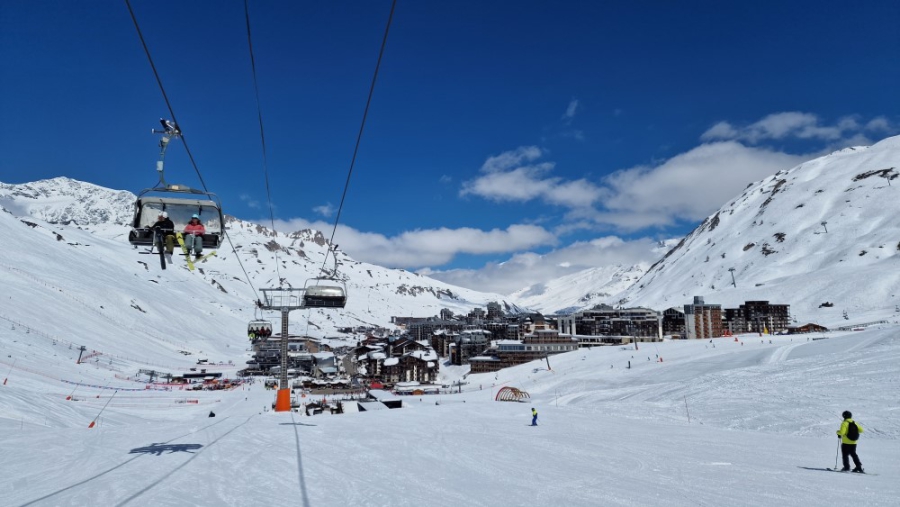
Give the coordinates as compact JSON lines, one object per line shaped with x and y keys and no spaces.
{"x":738,"y":423}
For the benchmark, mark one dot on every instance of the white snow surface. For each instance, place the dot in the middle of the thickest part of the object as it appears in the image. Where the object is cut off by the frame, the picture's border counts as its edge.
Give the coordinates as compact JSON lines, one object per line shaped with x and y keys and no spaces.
{"x":762,"y":426}
{"x":580,"y":290}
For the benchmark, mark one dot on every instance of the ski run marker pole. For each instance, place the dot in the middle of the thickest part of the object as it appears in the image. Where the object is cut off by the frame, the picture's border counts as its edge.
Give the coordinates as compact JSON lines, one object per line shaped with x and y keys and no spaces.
{"x":101,"y":410}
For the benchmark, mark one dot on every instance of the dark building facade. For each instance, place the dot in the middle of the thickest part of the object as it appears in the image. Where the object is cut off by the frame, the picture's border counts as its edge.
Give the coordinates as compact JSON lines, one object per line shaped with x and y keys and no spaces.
{"x":758,"y":317}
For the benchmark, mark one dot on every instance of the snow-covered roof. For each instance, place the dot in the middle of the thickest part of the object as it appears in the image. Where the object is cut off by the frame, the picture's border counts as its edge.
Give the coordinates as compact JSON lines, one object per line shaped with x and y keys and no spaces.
{"x":382,"y":395}
{"x":424,"y":355}
{"x":391,"y":361}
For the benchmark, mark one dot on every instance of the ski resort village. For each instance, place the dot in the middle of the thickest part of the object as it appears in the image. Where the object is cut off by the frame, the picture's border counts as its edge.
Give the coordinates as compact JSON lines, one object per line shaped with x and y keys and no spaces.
{"x":449,"y":254}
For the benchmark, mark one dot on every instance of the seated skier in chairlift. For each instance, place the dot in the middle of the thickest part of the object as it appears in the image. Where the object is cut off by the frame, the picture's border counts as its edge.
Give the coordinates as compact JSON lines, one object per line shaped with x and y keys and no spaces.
{"x":193,"y":236}
{"x":164,"y":228}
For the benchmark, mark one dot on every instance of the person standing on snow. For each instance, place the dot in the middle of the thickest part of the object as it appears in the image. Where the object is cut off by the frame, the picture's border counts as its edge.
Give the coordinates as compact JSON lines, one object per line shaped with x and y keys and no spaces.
{"x":849,"y":433}
{"x":533,"y":417}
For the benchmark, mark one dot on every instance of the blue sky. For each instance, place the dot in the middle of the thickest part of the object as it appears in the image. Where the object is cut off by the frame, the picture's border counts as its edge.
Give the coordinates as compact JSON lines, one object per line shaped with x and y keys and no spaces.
{"x":507,"y":143}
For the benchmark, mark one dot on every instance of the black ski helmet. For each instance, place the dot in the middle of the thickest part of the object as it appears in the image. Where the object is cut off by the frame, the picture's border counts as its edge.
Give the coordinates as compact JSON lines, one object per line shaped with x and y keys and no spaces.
{"x":846,"y":414}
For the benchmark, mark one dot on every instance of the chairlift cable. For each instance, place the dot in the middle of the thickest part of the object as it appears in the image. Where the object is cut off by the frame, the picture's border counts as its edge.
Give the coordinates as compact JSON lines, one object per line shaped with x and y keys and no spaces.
{"x":241,"y":264}
{"x":262,"y":136}
{"x":183,"y":139}
{"x":165,"y":96}
{"x":362,"y":126}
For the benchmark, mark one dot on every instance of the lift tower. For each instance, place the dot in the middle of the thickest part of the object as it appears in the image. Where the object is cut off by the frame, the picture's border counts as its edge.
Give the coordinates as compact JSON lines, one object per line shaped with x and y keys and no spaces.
{"x":284,"y":300}
{"x":313,"y":295}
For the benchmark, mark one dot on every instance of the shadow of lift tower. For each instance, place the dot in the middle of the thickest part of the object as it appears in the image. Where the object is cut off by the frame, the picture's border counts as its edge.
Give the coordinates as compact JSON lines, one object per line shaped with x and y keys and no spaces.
{"x":285,"y":300}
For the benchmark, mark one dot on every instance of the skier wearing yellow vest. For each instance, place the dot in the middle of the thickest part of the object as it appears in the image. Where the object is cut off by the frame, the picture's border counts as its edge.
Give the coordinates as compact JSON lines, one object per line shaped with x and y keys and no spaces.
{"x":533,"y":416}
{"x":849,"y":433}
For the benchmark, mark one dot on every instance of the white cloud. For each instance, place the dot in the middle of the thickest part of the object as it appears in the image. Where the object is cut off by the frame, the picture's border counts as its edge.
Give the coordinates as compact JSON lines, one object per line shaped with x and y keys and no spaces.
{"x":880,"y":124}
{"x":249,"y":201}
{"x":721,"y":130}
{"x":326,"y":210}
{"x":511,"y":176}
{"x":688,"y":186}
{"x":429,"y":247}
{"x":791,"y":124}
{"x":510,"y":159}
{"x":571,"y":110}
{"x":528,"y":268}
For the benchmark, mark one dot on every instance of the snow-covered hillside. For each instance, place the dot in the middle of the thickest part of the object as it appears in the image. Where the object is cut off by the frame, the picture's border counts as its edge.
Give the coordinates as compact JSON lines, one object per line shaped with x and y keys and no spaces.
{"x":580,"y":290}
{"x":72,"y":236}
{"x":824,"y":231}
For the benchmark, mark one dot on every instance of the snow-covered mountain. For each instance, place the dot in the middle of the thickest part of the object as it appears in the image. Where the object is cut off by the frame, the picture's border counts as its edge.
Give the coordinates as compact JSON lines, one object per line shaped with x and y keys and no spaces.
{"x":824,"y":231}
{"x":821,"y":232}
{"x":580,"y":290}
{"x":84,"y":227}
{"x":67,"y":201}
{"x":586,"y":288}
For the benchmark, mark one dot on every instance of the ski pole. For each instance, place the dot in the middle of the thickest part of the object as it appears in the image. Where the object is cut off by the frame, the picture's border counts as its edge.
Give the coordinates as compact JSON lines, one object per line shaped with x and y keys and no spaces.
{"x":836,"y":452}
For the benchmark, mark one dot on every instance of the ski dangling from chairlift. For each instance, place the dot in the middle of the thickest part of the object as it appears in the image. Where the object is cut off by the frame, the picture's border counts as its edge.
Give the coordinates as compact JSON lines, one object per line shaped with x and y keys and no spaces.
{"x":177,"y":203}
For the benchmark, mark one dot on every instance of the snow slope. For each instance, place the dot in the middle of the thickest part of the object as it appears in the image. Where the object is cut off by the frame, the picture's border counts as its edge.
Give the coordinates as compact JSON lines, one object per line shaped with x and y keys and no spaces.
{"x":762,"y":422}
{"x":579,"y":290}
{"x":774,"y":238}
{"x":64,"y":226}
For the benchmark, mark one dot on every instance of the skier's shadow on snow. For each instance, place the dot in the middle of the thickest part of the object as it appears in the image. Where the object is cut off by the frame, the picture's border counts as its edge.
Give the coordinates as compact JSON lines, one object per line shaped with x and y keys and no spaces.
{"x":816,"y":468}
{"x":158,"y":449}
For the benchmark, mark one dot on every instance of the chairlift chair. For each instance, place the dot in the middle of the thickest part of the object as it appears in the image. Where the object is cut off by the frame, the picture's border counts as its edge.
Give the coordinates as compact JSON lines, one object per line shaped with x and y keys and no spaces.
{"x":324,"y":296}
{"x":150,"y":205}
{"x":259,"y":329}
{"x":179,"y":201}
